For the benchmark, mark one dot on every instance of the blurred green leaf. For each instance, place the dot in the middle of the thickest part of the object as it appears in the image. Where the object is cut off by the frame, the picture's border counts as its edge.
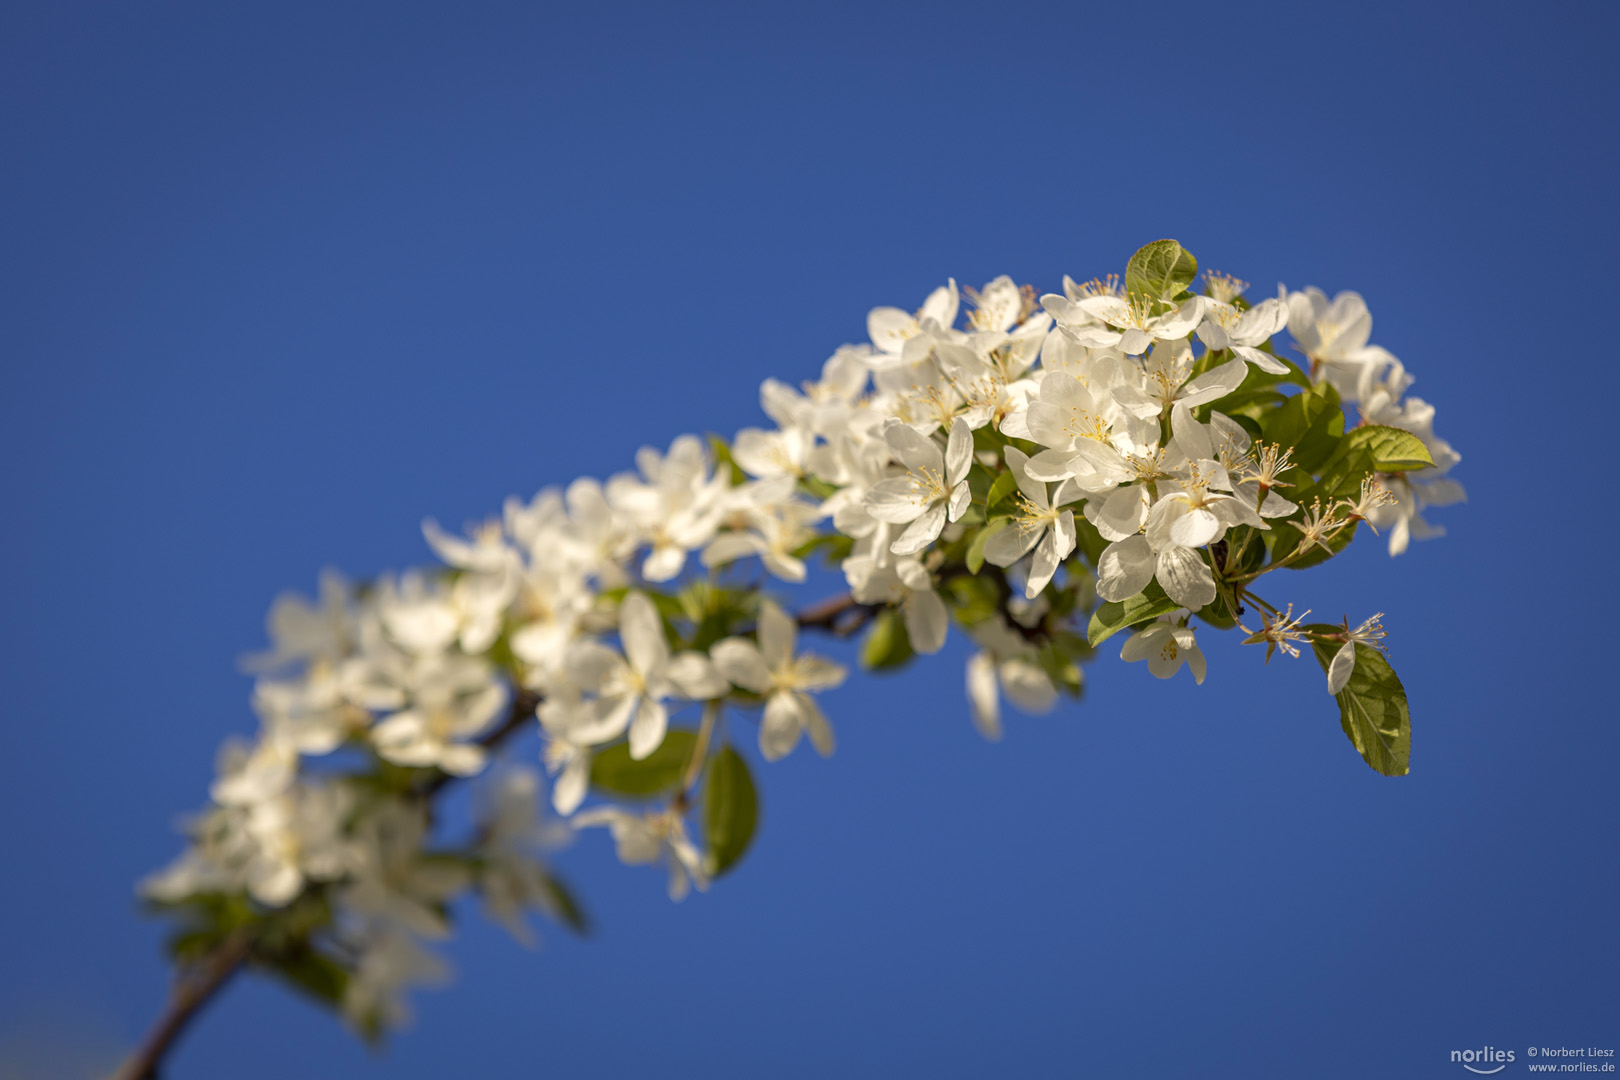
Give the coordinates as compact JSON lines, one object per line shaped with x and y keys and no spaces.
{"x":973,"y":599}
{"x":311,"y":972}
{"x":974,"y":560}
{"x":564,"y":906}
{"x":835,"y":548}
{"x":730,"y":810}
{"x":613,"y":770}
{"x":1060,"y":656}
{"x":887,"y":645}
{"x":724,"y":460}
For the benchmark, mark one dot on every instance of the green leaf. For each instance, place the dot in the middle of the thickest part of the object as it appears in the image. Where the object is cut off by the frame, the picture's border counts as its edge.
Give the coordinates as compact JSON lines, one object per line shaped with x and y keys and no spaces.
{"x":817,"y":487}
{"x":1061,"y":656}
{"x":563,"y":906}
{"x":887,"y":644}
{"x":311,"y":972}
{"x":613,"y":770}
{"x":730,"y":810}
{"x":1160,"y":270}
{"x":835,"y":548}
{"x":975,"y":553}
{"x":1000,"y":491}
{"x":1310,"y":422}
{"x":1391,"y":449}
{"x":973,"y":599}
{"x":1372,"y":706}
{"x":724,"y":460}
{"x":988,"y":440}
{"x":1114,"y":616}
{"x":1255,"y":398}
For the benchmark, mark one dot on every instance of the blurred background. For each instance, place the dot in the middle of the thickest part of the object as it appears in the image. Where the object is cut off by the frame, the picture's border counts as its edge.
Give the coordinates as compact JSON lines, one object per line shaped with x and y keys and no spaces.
{"x":278,"y":281}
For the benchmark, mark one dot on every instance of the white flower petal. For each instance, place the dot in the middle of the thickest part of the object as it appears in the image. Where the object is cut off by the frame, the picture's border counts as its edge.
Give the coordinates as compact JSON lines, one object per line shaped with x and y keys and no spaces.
{"x":922,"y":532}
{"x":915,"y":451}
{"x":777,"y":634}
{"x":926,"y":621}
{"x":1185,"y":578}
{"x":1028,"y":686}
{"x":1125,"y":568}
{"x":1043,"y":566}
{"x":647,"y":729}
{"x":695,"y":676}
{"x":1011,"y":544}
{"x":895,"y":501}
{"x":1342,"y":667}
{"x":781,"y":726}
{"x":1262,"y":360}
{"x":958,"y":452}
{"x":642,"y":632}
{"x":983,"y":696}
{"x":569,"y":791}
{"x":739,"y":660}
{"x":1195,"y":528}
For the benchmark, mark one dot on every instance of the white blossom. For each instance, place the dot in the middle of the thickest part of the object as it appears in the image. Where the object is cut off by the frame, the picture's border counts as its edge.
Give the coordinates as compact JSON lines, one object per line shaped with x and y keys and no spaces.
{"x":786,"y":681}
{"x":1166,"y":644}
{"x":652,"y":837}
{"x":933,"y":490}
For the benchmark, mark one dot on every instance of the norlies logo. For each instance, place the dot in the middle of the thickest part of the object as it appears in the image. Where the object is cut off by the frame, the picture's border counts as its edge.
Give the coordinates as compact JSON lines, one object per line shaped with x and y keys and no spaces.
{"x":1484,"y":1057}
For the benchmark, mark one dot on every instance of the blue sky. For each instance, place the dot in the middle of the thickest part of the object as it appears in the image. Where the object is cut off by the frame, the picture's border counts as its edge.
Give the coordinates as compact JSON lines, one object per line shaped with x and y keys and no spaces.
{"x":276,"y":284}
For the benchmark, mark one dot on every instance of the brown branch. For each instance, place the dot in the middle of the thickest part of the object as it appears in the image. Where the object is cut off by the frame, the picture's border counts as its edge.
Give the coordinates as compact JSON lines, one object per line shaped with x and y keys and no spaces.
{"x":839,"y":615}
{"x":191,"y":992}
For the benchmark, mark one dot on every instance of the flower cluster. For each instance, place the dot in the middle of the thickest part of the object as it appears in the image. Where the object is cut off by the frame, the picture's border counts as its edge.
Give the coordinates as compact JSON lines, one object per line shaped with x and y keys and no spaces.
{"x":1043,"y":472}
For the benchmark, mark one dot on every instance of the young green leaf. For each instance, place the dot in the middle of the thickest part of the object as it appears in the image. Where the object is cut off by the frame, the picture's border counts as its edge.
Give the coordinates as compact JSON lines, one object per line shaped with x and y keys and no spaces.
{"x":1003,"y":489}
{"x":730,"y":810}
{"x":1160,"y":270}
{"x":1311,"y":422}
{"x":975,"y":552}
{"x":1114,"y":616}
{"x":1390,"y":449}
{"x":1372,"y":706}
{"x":887,"y":645}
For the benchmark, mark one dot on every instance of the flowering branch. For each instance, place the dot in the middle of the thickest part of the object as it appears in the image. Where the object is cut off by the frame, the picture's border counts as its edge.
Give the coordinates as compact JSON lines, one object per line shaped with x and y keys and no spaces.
{"x":1050,"y":473}
{"x":201,"y":980}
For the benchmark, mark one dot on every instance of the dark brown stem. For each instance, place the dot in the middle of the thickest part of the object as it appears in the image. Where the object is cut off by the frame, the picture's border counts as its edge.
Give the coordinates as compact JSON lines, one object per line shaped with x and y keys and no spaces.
{"x":194,"y":989}
{"x":839,"y":615}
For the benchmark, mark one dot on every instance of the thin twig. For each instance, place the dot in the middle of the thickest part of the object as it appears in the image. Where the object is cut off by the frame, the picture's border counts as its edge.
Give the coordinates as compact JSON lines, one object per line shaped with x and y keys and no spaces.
{"x":839,"y":615}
